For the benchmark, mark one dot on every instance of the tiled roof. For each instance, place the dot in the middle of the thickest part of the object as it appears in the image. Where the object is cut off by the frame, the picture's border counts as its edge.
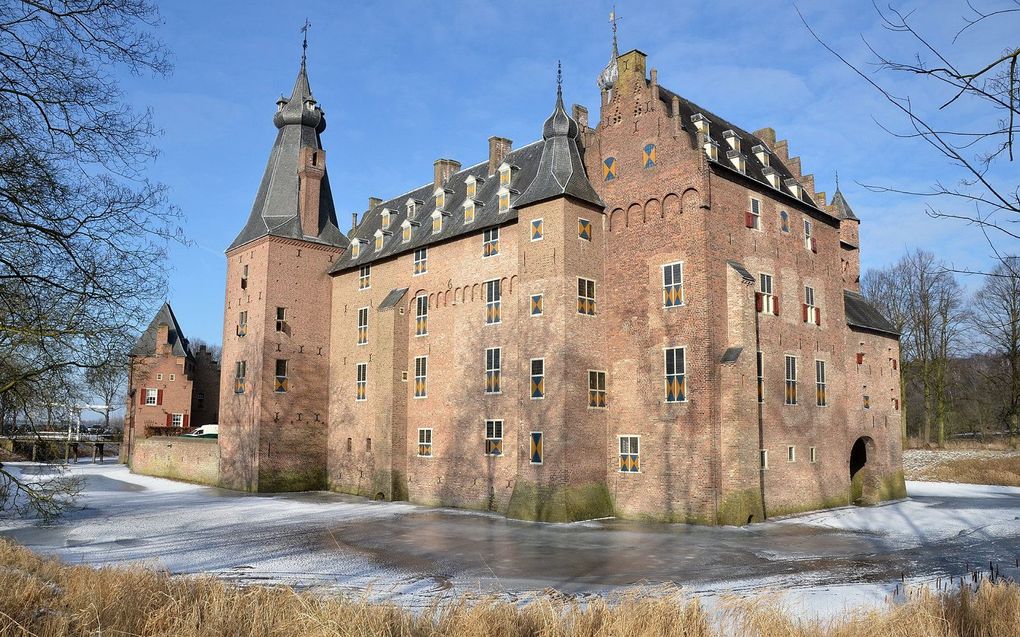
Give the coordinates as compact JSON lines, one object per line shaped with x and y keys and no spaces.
{"x":842,"y":207}
{"x":741,"y":270}
{"x":732,"y":354}
{"x":862,"y":314}
{"x":392,"y":298}
{"x":146,"y":343}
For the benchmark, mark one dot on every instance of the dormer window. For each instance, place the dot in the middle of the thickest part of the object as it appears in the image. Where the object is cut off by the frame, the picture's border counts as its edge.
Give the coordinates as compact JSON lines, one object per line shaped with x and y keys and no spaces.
{"x":506,"y":174}
{"x":472,"y":184}
{"x":761,"y":153}
{"x":412,"y":207}
{"x":772,"y":176}
{"x":440,"y":195}
{"x":712,"y":149}
{"x":387,"y":217}
{"x":469,"y":210}
{"x":380,"y":239}
{"x":700,"y":123}
{"x":355,"y":248}
{"x":732,"y":139}
{"x":406,"y":230}
{"x":504,"y":199}
{"x":738,"y":160}
{"x":437,"y":220}
{"x":793,"y":187}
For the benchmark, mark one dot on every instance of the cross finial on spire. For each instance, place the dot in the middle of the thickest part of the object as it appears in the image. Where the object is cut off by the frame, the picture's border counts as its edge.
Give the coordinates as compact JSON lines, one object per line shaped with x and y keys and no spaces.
{"x":613,"y":20}
{"x":837,"y":180}
{"x":304,"y":41}
{"x":559,"y":77}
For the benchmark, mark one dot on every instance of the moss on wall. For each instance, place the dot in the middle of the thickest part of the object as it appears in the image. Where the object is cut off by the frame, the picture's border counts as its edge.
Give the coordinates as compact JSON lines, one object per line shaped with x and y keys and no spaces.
{"x":740,"y":507}
{"x":284,"y":481}
{"x":188,"y":460}
{"x":541,"y":503}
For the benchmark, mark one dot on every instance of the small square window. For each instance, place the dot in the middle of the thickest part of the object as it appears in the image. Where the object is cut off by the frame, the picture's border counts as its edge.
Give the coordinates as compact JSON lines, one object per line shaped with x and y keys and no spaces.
{"x":791,"y":454}
{"x":425,"y":443}
{"x":177,"y":420}
{"x":584,"y":231}
{"x":173,"y":377}
{"x":159,"y":376}
{"x":151,"y":396}
{"x":494,"y":437}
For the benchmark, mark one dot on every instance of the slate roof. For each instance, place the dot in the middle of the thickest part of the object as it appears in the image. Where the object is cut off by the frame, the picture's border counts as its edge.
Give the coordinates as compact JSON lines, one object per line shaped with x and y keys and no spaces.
{"x":842,"y":207}
{"x":732,"y":354}
{"x":392,"y":298}
{"x":146,"y":343}
{"x":275,"y":210}
{"x":741,"y":270}
{"x":861,"y":314}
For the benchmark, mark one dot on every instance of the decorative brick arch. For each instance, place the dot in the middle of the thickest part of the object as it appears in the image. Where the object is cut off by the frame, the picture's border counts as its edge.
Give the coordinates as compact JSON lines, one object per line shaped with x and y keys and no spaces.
{"x":513,"y":281}
{"x":634,"y":213}
{"x":412,"y":300}
{"x":690,"y":200}
{"x":615,"y":217}
{"x":458,"y":295}
{"x":653,"y":209}
{"x":474,"y":291}
{"x":671,"y":206}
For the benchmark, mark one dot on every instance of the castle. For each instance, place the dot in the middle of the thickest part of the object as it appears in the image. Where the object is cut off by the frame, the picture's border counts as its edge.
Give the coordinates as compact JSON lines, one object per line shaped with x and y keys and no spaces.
{"x":656,"y":316}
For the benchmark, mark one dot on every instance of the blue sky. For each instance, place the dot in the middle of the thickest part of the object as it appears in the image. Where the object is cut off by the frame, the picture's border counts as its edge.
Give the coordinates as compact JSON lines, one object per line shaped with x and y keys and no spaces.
{"x":404,"y":83}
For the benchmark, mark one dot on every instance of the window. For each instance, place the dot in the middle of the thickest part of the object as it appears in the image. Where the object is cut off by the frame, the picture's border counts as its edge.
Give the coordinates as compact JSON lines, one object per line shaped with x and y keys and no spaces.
{"x":405,"y":231}
{"x":820,"y":383}
{"x":585,"y":297}
{"x":867,"y":401}
{"x":505,"y":173}
{"x":469,"y":211}
{"x":421,"y":316}
{"x":365,"y":277}
{"x":675,"y":374}
{"x":536,"y":304}
{"x":583,"y":229}
{"x":630,"y":456}
{"x":361,"y":388}
{"x":765,"y":301}
{"x":421,"y":261}
{"x":810,"y":313}
{"x":240,"y":369}
{"x":173,"y":377}
{"x":492,"y":370}
{"x":437,"y":222}
{"x":536,"y":229}
{"x":242,"y":323}
{"x":494,"y":437}
{"x":812,"y":455}
{"x":281,"y":319}
{"x":597,"y":389}
{"x":368,"y":444}
{"x":537,"y":378}
{"x":355,"y":248}
{"x":609,"y":168}
{"x":764,"y":459}
{"x":244,"y":277}
{"x":379,"y":238}
{"x":492,"y":302}
{"x":425,"y":443}
{"x":784,"y":221}
{"x":177,"y":420}
{"x":504,"y":199}
{"x":809,"y":240}
{"x":421,"y":368}
{"x":280,"y":385}
{"x":159,"y":376}
{"x":648,"y":156}
{"x":386,"y":218}
{"x":151,"y":396}
{"x":752,"y":218}
{"x":471,"y":187}
{"x":761,"y":378}
{"x":363,"y":326}
{"x":440,"y":195}
{"x":673,"y":284}
{"x":412,"y":207}
{"x":791,"y":453}
{"x":535,"y":451}
{"x":350,"y":444}
{"x":490,"y":242}
{"x":791,"y":380}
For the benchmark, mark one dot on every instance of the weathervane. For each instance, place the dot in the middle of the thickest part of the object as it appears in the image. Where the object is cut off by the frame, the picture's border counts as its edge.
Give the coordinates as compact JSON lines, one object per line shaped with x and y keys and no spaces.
{"x":559,"y":77}
{"x":304,"y":41}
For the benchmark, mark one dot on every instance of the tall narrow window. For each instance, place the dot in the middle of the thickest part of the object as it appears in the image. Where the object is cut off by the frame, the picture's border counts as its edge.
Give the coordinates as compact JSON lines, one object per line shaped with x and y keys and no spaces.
{"x":784,"y":221}
{"x":583,"y":229}
{"x":493,"y":370}
{"x":676,"y":376}
{"x":361,"y":387}
{"x":242,"y":323}
{"x":537,"y":378}
{"x":809,"y":239}
{"x":490,"y":242}
{"x":505,"y":173}
{"x":752,"y":218}
{"x":764,"y":459}
{"x":494,"y":437}
{"x":469,"y":211}
{"x":536,"y":304}
{"x":586,"y":296}
{"x":504,"y":199}
{"x":492,"y":302}
{"x":791,"y":380}
{"x":630,"y":454}
{"x":365,"y":277}
{"x":471,"y":187}
{"x":280,"y":384}
{"x":405,"y":232}
{"x":421,"y":368}
{"x":867,"y":401}
{"x":281,"y":319}
{"x":809,"y":312}
{"x":537,"y":229}
{"x":437,"y":222}
{"x":673,"y":284}
{"x":535,"y":450}
{"x":820,"y":383}
{"x":791,"y":453}
{"x":813,"y":455}
{"x":362,"y":326}
{"x":244,"y":277}
{"x":385,"y":218}
{"x":421,"y":261}
{"x":240,"y":369}
{"x":425,"y":443}
{"x":761,"y":377}
{"x":421,"y":316}
{"x":765,"y":300}
{"x":597,"y":389}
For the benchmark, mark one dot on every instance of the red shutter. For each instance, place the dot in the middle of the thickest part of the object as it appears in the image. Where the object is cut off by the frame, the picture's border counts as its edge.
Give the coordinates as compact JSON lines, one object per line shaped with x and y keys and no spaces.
{"x":141,"y":396}
{"x":187,"y":419}
{"x":803,"y":311}
{"x":775,"y":305}
{"x":814,"y":245}
{"x":159,"y":396}
{"x":895,"y":364}
{"x":748,"y":220}
{"x":169,"y":420}
{"x":818,"y":316}
{"x":896,"y":403}
{"x":759,"y":301}
{"x":860,"y":358}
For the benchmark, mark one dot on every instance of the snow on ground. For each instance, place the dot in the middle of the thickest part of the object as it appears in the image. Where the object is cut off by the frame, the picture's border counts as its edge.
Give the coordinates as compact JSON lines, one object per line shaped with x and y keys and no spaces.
{"x":821,"y":563}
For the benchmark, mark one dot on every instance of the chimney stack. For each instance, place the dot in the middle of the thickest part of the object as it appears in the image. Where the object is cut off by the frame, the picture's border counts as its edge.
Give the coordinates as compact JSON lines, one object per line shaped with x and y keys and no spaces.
{"x":163,"y":339}
{"x":499,"y":148}
{"x":354,"y":221}
{"x":311,"y":171}
{"x":444,"y":169}
{"x":373,"y":202}
{"x":580,"y":115}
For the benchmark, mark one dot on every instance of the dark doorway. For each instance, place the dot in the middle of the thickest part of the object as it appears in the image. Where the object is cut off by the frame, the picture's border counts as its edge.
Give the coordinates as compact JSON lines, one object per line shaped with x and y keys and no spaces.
{"x":858,"y":457}
{"x":858,"y":463}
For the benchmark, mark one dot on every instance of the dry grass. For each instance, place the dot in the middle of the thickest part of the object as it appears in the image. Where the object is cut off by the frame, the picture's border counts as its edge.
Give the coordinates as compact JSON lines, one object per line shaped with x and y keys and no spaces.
{"x":996,"y":443}
{"x":1003,"y":471}
{"x":47,"y":598}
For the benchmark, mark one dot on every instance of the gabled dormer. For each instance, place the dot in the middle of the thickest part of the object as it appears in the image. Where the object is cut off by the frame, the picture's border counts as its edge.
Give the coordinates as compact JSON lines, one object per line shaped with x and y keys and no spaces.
{"x":737,"y":159}
{"x":731,"y":138}
{"x":771,"y":175}
{"x":711,"y":148}
{"x":761,"y":153}
{"x":504,"y":196}
{"x":507,"y":172}
{"x":412,"y":205}
{"x":470,"y":208}
{"x":441,"y":195}
{"x":356,"y":247}
{"x":407,"y":230}
{"x":387,"y":218}
{"x":439,"y":220}
{"x":793,"y":186}
{"x":471,"y":185}
{"x":380,"y":238}
{"x":700,"y":123}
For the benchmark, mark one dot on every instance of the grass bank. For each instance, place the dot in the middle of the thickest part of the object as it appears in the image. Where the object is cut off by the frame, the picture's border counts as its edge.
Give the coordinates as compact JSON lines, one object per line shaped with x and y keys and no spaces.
{"x":42,"y":596}
{"x":975,"y":466}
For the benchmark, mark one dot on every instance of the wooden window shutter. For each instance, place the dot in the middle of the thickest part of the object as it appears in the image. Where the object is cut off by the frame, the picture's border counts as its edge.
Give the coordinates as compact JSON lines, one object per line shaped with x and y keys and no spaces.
{"x":169,"y":420}
{"x":804,"y":311}
{"x":818,"y":316}
{"x":759,"y":302}
{"x":187,"y":419}
{"x":748,"y":219}
{"x":159,"y":396}
{"x":860,"y":358}
{"x":142,"y":392}
{"x":775,"y":305}
{"x":814,"y":245}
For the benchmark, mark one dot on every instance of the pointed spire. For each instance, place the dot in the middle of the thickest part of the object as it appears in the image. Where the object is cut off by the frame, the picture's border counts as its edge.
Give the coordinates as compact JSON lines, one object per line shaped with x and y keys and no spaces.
{"x":609,"y":75}
{"x":839,"y":203}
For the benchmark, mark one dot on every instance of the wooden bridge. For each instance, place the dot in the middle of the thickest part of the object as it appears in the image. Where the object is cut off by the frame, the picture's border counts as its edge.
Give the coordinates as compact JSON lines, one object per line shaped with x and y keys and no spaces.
{"x":36,"y":445}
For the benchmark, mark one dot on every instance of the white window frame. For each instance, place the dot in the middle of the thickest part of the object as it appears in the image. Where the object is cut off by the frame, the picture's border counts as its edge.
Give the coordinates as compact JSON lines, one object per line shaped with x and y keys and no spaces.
{"x":791,"y":453}
{"x":493,"y":299}
{"x":159,"y":376}
{"x":424,"y":377}
{"x":362,"y":328}
{"x":682,"y":374}
{"x":541,"y":304}
{"x":177,"y":420}
{"x":495,"y":422}
{"x":763,"y":459}
{"x":636,"y":453}
{"x":531,"y":378}
{"x":490,"y":237}
{"x":421,"y":315}
{"x":790,"y":381}
{"x":812,"y":455}
{"x":425,"y":438}
{"x":821,"y":384}
{"x":589,"y":299}
{"x":495,"y":369}
{"x":589,"y":238}
{"x":531,"y":434}
{"x":365,"y":277}
{"x":767,"y":297}
{"x":665,"y":287}
{"x":593,"y":375}
{"x":469,"y":205}
{"x":151,"y":396}
{"x":541,"y":232}
{"x":421,"y":261}
{"x":807,"y":234}
{"x":173,"y":377}
{"x":361,"y":382}
{"x":755,"y":213}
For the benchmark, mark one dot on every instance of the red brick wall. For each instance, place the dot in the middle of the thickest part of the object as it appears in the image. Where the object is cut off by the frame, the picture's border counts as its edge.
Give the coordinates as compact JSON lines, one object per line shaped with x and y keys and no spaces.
{"x":175,"y":395}
{"x":188,"y":459}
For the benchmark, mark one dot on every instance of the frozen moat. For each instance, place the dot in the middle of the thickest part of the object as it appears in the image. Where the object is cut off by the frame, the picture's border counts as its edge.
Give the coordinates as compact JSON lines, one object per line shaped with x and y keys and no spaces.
{"x":412,"y":554}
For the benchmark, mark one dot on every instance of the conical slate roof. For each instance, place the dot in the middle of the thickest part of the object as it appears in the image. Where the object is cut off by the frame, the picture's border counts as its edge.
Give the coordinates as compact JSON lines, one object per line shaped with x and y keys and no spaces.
{"x":275,"y":211}
{"x":146,"y":343}
{"x":843,"y":210}
{"x":560,"y":171}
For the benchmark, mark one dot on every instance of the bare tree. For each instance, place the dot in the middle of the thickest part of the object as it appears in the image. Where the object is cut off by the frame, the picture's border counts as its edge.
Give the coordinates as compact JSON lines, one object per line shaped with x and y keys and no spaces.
{"x":108,"y":383}
{"x":968,"y":114}
{"x":83,"y":233}
{"x":886,"y":289}
{"x":997,"y":319}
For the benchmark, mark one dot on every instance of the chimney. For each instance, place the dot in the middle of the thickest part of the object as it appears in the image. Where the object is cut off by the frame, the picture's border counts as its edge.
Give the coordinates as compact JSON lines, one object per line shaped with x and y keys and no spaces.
{"x":499,"y":148}
{"x":767,"y":135}
{"x":354,"y":220}
{"x":580,"y":115}
{"x":782,"y":149}
{"x":444,"y":169}
{"x":373,"y":202}
{"x":163,"y":339}
{"x":313,"y":167}
{"x":677,"y":119}
{"x":655,"y":89}
{"x":808,"y":181}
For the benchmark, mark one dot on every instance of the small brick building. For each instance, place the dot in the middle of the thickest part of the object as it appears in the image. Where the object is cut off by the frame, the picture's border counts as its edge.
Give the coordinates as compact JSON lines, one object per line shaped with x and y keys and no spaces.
{"x":655,"y":317}
{"x":171,"y":389}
